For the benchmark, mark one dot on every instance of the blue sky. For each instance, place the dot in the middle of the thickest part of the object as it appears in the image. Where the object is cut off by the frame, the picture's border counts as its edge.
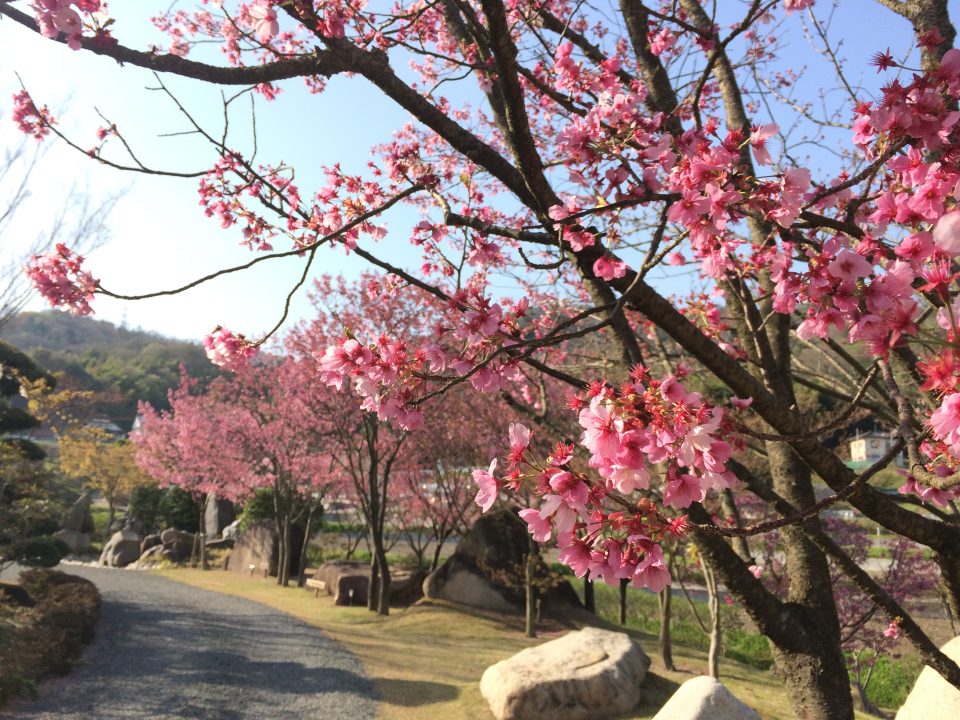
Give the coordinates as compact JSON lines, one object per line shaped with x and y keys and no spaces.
{"x":161,"y":237}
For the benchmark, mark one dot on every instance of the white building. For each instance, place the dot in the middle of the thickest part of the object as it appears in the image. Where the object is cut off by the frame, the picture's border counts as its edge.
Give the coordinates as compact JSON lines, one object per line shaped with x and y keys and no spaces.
{"x":870,"y":447}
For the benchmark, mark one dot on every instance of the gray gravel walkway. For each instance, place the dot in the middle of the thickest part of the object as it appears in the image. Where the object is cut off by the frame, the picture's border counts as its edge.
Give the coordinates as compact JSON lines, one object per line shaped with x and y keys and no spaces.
{"x":168,"y":650}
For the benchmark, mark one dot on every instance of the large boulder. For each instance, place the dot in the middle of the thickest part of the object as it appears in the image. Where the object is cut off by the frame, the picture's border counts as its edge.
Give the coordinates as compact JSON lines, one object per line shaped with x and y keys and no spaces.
{"x":349,"y":583}
{"x":121,"y":549}
{"x":257,"y":550}
{"x":151,"y":557}
{"x":486,"y":569}
{"x":219,"y":513}
{"x":347,"y":580}
{"x":78,"y":518}
{"x":219,"y":544}
{"x":406,"y":586}
{"x":150,"y":541}
{"x":705,"y":698}
{"x":177,"y":544}
{"x":78,"y":542}
{"x":231,"y":531}
{"x":932,"y":697}
{"x":588,"y":673}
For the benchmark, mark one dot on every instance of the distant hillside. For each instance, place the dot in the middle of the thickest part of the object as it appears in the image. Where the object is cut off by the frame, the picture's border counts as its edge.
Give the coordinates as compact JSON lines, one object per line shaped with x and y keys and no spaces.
{"x":122,"y":366}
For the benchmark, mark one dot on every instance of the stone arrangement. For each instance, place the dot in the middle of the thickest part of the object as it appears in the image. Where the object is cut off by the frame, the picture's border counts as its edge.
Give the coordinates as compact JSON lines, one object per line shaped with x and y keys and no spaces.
{"x":348,"y":581}
{"x":493,"y":548}
{"x":587,"y":673}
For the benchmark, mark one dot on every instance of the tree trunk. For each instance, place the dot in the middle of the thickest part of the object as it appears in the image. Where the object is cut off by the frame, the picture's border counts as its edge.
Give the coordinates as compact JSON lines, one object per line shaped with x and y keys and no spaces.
{"x":302,"y":567}
{"x":803,"y":641}
{"x":950,"y":584}
{"x":435,"y":563}
{"x":664,"y":641}
{"x":530,"y":595}
{"x":713,"y":603}
{"x":624,"y":584}
{"x":589,"y":596}
{"x":383,"y":589}
{"x":283,"y":570}
{"x":202,"y":534}
{"x":287,"y":542}
{"x":111,"y":514}
{"x":373,"y":591}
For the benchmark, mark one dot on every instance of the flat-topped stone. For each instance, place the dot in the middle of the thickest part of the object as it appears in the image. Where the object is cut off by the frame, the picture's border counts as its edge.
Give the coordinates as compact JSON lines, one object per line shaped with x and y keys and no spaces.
{"x":587,"y":673}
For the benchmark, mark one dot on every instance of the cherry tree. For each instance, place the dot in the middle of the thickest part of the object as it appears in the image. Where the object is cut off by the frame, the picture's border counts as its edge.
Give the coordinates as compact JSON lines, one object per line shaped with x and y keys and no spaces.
{"x":584,"y":149}
{"x":263,"y":427}
{"x":462,"y":431}
{"x":371,"y":454}
{"x":182,"y":447}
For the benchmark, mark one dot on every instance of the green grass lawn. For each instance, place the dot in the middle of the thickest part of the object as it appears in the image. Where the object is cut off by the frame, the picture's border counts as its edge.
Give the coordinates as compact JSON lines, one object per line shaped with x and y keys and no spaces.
{"x":99,"y":514}
{"x":426,"y":661}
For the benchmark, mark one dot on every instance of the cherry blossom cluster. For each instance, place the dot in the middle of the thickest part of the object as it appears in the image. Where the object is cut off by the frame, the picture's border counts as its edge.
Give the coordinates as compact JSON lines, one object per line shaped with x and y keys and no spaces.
{"x":391,"y":376}
{"x":231,"y":351}
{"x":598,"y":524}
{"x":30,"y":119}
{"x":59,"y":16}
{"x":60,"y":278}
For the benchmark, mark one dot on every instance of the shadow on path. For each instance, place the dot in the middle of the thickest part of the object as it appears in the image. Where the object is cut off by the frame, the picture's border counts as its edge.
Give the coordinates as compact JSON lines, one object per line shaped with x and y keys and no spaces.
{"x":167,"y":650}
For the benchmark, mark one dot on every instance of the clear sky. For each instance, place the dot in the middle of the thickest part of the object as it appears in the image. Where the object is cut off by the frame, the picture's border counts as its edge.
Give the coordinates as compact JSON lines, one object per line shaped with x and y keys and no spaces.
{"x":161,"y":237}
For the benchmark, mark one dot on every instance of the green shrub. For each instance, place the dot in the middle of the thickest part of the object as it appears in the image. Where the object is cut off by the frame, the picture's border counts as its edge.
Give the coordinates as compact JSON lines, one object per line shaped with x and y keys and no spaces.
{"x":145,"y":506}
{"x":43,"y":551}
{"x":891,"y":681}
{"x":177,"y":509}
{"x":258,"y":508}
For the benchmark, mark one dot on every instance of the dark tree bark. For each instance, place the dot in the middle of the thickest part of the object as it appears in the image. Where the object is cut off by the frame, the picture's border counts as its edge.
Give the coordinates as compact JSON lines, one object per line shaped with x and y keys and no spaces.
{"x":664,"y":640}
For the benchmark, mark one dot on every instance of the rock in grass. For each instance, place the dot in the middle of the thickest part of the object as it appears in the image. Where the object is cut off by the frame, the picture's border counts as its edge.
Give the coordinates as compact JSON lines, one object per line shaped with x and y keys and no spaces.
{"x":589,"y":673}
{"x":932,"y":697}
{"x":704,"y":698}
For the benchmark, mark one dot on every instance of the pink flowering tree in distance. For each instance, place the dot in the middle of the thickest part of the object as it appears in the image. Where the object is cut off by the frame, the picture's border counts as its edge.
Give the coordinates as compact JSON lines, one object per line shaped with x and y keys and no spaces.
{"x":583,"y":154}
{"x":264,"y":427}
{"x":183,"y":448}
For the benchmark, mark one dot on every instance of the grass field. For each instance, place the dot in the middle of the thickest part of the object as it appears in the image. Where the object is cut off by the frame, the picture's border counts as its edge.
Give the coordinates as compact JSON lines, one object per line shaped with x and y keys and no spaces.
{"x":426,"y":661}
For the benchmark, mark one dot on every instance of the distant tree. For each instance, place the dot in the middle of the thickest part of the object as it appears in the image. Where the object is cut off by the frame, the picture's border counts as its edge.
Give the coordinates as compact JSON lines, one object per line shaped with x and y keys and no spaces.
{"x":262,"y":428}
{"x":104,"y":463}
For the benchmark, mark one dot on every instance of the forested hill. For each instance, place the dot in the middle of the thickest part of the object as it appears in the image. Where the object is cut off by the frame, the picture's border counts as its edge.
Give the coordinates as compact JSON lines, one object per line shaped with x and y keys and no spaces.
{"x":122,"y":366}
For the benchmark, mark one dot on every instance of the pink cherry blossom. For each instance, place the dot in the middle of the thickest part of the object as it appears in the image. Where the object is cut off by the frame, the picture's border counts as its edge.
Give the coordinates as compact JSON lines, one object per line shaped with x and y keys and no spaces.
{"x":59,"y":276}
{"x":609,"y":267}
{"x":489,"y":489}
{"x":540,"y":528}
{"x":946,"y":233}
{"x":758,"y":142}
{"x":231,"y":351}
{"x":265,"y":25}
{"x":29,"y":118}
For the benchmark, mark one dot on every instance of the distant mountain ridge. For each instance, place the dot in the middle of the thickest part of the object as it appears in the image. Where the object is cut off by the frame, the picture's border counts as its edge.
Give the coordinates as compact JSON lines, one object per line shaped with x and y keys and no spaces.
{"x":59,"y":331}
{"x":121,"y":365}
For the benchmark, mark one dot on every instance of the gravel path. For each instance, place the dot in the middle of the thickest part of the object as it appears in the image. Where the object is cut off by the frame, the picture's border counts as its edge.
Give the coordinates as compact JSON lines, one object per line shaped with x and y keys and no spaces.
{"x":168,"y":650}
